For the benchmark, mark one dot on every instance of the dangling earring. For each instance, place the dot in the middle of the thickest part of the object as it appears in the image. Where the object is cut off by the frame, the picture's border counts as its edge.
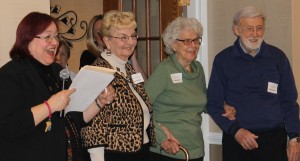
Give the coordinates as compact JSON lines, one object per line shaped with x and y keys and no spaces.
{"x":108,"y":52}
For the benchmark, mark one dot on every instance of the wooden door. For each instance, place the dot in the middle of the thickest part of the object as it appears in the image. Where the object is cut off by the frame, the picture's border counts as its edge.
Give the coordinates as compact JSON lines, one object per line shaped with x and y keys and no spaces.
{"x":152,"y":17}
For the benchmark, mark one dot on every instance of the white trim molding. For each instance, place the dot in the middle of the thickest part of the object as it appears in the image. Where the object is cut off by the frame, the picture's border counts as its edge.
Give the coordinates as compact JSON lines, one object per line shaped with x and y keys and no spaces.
{"x":198,"y":10}
{"x":214,"y":138}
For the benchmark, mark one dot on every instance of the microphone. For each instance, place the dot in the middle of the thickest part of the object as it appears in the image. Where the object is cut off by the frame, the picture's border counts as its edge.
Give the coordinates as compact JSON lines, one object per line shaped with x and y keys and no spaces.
{"x":63,"y":74}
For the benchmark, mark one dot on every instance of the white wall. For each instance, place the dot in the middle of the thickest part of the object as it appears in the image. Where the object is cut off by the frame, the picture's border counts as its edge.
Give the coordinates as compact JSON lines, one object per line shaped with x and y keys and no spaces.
{"x":12,"y":12}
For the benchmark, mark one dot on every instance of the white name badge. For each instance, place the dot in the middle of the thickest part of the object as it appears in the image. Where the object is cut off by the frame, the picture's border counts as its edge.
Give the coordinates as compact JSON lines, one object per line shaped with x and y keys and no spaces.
{"x":176,"y":78}
{"x":272,"y":87}
{"x":137,"y":78}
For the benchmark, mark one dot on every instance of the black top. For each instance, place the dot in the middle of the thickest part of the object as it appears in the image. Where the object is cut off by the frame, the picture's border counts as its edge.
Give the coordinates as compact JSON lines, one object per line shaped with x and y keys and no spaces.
{"x":47,"y":75}
{"x":23,"y":85}
{"x":86,"y":58}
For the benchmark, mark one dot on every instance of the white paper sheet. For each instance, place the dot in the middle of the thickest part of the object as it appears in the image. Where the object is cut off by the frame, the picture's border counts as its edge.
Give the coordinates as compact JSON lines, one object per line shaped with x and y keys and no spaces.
{"x":89,"y":83}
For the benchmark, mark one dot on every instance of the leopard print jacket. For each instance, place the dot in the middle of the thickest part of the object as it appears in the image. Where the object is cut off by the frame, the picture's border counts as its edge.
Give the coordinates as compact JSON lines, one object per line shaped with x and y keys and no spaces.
{"x":119,"y":125}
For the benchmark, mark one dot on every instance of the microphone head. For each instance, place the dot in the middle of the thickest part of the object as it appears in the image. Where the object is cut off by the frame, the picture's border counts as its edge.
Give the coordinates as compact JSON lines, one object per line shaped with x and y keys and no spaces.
{"x":64,"y":74}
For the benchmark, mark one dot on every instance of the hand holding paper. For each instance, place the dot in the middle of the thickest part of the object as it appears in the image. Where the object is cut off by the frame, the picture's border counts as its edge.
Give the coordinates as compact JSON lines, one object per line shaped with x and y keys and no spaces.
{"x":104,"y":98}
{"x":107,"y":95}
{"x":89,"y":82}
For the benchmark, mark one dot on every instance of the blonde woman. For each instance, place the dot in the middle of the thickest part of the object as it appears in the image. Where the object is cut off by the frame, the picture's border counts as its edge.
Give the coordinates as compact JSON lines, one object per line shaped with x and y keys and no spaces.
{"x":94,"y":42}
{"x":123,"y":130}
{"x":95,"y":46}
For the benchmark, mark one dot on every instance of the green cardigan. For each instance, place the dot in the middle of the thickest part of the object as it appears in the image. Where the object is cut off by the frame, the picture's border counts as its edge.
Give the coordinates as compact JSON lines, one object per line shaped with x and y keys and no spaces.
{"x":178,"y":105}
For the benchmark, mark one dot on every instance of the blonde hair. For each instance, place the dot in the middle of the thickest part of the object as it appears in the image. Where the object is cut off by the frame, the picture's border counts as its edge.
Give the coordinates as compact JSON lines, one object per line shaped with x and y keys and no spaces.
{"x":91,"y":42}
{"x":117,"y":19}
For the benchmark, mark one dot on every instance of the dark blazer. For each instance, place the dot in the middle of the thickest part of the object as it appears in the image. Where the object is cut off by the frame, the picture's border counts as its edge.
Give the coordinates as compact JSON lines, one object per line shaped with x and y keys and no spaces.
{"x":20,"y":89}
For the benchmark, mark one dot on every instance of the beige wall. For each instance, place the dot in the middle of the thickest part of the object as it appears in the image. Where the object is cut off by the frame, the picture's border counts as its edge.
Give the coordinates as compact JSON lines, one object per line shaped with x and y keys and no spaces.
{"x":278,"y":24}
{"x":296,"y":42}
{"x":84,"y":10}
{"x":215,"y":152}
{"x":12,"y":12}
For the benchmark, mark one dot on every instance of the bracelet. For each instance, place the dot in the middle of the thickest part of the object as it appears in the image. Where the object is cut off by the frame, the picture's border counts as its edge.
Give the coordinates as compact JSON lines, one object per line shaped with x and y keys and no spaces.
{"x":98,"y":105}
{"x":49,"y":109}
{"x":48,"y":123}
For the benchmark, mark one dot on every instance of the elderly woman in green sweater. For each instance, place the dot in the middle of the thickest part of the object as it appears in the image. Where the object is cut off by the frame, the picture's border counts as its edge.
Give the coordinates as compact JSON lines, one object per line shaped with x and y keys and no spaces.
{"x":180,"y":99}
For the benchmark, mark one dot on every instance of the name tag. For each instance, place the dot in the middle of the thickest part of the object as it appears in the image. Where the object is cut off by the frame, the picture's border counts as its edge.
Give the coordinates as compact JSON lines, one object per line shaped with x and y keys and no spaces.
{"x":176,"y":78}
{"x":272,"y":87}
{"x":137,"y":78}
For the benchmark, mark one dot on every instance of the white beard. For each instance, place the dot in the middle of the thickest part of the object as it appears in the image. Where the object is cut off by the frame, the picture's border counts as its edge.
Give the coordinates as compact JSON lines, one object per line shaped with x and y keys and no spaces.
{"x":253,"y":43}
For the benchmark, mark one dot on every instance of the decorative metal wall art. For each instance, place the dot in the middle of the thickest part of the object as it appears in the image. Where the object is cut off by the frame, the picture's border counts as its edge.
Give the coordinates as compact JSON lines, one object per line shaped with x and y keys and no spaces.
{"x":69,"y":28}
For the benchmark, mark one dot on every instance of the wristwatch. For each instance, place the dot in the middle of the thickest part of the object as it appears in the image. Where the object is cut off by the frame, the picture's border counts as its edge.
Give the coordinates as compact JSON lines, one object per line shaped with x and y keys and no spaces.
{"x":296,"y":139}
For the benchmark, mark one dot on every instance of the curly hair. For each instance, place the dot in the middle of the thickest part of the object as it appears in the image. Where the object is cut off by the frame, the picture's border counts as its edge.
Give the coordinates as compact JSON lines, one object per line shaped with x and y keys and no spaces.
{"x":117,"y":19}
{"x":176,"y":27}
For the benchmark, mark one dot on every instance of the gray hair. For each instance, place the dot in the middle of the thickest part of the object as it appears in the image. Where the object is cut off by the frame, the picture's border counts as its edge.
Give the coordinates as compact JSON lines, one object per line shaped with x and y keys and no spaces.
{"x":176,"y":27}
{"x":247,"y":12}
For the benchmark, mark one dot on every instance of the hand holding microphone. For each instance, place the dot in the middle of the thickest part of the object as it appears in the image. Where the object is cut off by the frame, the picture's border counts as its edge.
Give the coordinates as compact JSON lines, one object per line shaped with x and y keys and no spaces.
{"x":60,"y":100}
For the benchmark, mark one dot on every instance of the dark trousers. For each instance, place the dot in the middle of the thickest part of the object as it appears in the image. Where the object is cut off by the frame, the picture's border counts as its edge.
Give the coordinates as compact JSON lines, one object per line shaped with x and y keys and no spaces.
{"x":141,"y":155}
{"x":159,"y":157}
{"x":271,"y":147}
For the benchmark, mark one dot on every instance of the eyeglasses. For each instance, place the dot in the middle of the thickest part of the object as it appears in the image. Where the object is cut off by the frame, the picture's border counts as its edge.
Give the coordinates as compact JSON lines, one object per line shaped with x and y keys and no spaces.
{"x":49,"y":38}
{"x":188,"y":42}
{"x":250,"y":29}
{"x":126,"y":38}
